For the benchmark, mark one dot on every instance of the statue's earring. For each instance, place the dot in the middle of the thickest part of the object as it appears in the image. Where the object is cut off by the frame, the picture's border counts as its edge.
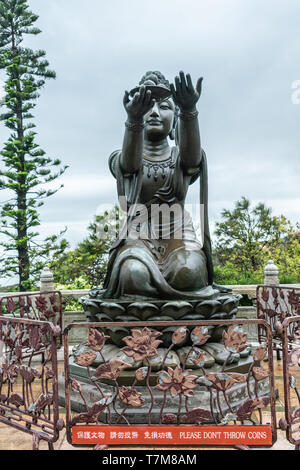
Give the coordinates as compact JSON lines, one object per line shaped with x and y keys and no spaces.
{"x":176,"y":134}
{"x":172,"y":134}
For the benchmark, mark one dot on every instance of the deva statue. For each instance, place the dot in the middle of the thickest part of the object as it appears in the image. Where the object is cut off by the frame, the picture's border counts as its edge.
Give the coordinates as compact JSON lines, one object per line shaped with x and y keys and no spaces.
{"x":157,"y":254}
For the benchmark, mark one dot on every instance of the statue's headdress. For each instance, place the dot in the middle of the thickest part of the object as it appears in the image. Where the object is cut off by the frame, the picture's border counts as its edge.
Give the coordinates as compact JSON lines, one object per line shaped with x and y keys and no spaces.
{"x":156,"y":83}
{"x":160,"y":89}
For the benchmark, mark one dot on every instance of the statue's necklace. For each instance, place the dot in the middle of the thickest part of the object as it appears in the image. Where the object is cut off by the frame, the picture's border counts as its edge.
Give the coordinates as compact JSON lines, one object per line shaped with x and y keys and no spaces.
{"x":155,"y":167}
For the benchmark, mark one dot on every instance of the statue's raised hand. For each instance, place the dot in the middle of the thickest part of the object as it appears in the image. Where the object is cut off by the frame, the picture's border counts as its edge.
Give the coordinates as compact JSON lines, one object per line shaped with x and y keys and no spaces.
{"x":140,"y":104}
{"x":184,"y":94}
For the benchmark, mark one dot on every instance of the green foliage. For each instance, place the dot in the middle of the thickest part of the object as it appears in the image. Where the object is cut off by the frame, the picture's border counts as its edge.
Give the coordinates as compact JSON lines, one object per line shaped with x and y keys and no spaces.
{"x":85,"y":267}
{"x":72,"y":304}
{"x":25,"y":168}
{"x":80,"y":282}
{"x":247,"y":238}
{"x":230,"y":275}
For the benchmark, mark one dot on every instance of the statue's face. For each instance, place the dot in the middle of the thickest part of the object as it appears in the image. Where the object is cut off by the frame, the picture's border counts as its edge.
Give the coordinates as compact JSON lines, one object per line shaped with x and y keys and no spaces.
{"x":159,"y":120}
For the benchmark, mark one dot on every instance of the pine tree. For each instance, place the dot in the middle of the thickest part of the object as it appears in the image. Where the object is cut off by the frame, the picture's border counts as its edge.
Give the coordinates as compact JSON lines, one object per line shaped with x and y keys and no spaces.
{"x":25,"y":168}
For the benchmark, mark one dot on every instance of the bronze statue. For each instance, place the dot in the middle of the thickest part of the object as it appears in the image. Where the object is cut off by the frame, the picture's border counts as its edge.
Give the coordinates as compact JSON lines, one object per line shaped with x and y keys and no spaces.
{"x":166,"y":261}
{"x":157,"y":267}
{"x":158,"y":271}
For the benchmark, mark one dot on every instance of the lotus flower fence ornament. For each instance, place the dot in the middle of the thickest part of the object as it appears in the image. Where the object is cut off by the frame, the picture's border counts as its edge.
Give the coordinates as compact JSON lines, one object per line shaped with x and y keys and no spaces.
{"x":148,"y":392}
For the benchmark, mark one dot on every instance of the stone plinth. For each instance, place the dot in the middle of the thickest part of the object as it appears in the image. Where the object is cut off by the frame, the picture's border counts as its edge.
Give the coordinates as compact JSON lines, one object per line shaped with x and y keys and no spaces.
{"x":216,"y":307}
{"x":236,"y":396}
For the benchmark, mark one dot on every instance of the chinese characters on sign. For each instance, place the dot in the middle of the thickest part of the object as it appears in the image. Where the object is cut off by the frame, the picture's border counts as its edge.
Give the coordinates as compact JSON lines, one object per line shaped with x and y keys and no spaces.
{"x":208,"y":435}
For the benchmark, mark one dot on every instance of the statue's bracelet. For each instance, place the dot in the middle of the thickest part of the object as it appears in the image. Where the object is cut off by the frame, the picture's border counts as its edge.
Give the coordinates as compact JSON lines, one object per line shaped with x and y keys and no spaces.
{"x":135,"y":126}
{"x":188,"y":115}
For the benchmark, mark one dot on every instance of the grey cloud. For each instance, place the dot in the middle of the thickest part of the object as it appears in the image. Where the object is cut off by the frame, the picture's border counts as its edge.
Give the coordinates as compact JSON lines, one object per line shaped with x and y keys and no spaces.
{"x":248,"y":54}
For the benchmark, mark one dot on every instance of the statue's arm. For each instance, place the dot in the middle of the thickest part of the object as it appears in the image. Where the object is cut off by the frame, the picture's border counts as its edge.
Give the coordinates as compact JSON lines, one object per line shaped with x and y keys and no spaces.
{"x":133,"y":142}
{"x":132,"y":149}
{"x":186,"y":96}
{"x":189,"y":141}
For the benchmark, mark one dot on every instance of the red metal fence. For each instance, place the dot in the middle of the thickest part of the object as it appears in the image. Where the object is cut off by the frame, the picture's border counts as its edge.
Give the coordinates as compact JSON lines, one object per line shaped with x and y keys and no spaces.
{"x":275,"y":304}
{"x":290,"y":334}
{"x":30,"y":334}
{"x":44,"y":306}
{"x":28,"y":378}
{"x":130,"y":388}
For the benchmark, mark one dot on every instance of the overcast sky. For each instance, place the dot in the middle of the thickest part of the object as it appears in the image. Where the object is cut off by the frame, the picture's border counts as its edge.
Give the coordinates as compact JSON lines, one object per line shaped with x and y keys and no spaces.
{"x":248,"y":53}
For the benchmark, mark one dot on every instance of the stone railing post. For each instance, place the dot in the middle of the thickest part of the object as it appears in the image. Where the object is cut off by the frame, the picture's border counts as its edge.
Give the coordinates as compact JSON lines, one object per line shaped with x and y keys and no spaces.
{"x":47,"y":280}
{"x":271,"y":274}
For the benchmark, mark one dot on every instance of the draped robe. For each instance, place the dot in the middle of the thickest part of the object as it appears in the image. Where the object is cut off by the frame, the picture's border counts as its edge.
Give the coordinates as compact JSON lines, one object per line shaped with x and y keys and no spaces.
{"x":142,"y":241}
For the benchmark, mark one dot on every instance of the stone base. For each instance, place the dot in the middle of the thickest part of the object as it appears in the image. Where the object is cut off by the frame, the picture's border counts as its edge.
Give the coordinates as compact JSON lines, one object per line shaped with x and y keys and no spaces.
{"x":127,"y":377}
{"x":236,"y":396}
{"x":216,"y":307}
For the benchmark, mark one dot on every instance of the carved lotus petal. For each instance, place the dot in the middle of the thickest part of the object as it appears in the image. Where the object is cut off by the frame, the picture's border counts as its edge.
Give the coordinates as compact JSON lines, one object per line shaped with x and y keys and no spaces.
{"x":265,"y":294}
{"x":35,"y":338}
{"x":294,"y":357}
{"x":48,"y":354}
{"x":235,"y":339}
{"x":250,"y":405}
{"x":19,"y":330}
{"x":198,"y":358}
{"x":18,"y":352}
{"x":196,"y":416}
{"x":179,"y":335}
{"x":9,"y":371}
{"x":41,"y":303}
{"x":49,"y":374}
{"x":224,"y":381}
{"x":141,"y":373}
{"x":208,"y":307}
{"x":293,"y":298}
{"x":142,"y":310}
{"x":131,"y":397}
{"x":229,"y":305}
{"x":40,"y":404}
{"x":169,"y":418}
{"x":297,"y":333}
{"x":176,"y":309}
{"x":141,"y":344}
{"x":259,"y":373}
{"x":199,"y":335}
{"x":16,"y":399}
{"x":96,"y":339}
{"x":111,"y":309}
{"x":296,"y":414}
{"x":75,"y":385}
{"x":177,"y":381}
{"x":48,"y":314}
{"x":29,"y":373}
{"x":111,"y":370}
{"x":10,"y":305}
{"x":274,"y":292}
{"x":259,"y":353}
{"x":85,"y":359}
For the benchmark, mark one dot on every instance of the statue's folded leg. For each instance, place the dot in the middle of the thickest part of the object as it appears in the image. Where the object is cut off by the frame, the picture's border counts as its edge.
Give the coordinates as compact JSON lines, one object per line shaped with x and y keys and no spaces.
{"x":136,"y":273}
{"x":135,"y":278}
{"x":186,"y":270}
